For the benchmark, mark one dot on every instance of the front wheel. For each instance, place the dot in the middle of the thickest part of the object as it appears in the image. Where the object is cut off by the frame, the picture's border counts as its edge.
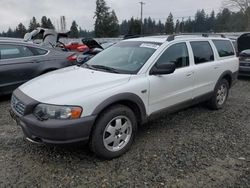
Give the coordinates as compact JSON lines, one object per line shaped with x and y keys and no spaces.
{"x":114,"y":132}
{"x":220,"y":95}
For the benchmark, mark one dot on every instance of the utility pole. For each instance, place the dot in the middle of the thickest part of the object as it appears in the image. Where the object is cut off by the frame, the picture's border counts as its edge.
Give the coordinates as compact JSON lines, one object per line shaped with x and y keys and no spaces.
{"x":142,"y":3}
{"x":182,"y":25}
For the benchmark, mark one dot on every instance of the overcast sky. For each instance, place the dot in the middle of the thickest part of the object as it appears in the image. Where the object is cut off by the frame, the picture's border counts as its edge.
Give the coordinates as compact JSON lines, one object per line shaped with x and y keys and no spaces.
{"x":13,"y":12}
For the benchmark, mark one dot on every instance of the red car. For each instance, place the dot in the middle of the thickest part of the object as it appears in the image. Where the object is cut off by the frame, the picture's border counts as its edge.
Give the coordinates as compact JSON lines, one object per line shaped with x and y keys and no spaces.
{"x":76,"y":46}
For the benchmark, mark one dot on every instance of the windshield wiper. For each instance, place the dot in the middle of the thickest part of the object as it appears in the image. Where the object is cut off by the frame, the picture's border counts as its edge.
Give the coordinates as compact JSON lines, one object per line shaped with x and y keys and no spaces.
{"x":102,"y":67}
{"x":85,"y":65}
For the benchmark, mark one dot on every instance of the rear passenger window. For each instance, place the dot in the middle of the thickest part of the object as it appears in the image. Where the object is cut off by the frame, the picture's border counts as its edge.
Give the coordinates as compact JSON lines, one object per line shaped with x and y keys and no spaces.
{"x":224,"y":48}
{"x":177,"y":53}
{"x":202,"y":52}
{"x":14,"y":51}
{"x":38,"y":51}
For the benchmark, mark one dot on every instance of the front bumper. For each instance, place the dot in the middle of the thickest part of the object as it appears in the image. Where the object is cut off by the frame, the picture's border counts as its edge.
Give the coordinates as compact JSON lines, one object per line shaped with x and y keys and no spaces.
{"x":50,"y":131}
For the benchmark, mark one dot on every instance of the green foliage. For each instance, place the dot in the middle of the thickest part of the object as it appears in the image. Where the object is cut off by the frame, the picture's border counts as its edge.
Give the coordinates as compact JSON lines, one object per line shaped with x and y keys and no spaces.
{"x":20,"y":31}
{"x":33,"y":24}
{"x":74,"y":33}
{"x":134,"y":27}
{"x":106,"y":22}
{"x":169,"y":26}
{"x":86,"y":34}
{"x":46,"y":23}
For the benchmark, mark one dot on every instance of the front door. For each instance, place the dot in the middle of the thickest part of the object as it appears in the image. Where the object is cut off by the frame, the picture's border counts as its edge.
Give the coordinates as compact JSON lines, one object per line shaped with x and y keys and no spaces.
{"x":172,"y":89}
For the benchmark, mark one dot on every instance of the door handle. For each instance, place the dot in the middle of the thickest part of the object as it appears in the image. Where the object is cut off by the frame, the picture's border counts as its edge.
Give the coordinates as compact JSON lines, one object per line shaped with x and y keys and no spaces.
{"x":216,"y":67}
{"x":189,"y":74}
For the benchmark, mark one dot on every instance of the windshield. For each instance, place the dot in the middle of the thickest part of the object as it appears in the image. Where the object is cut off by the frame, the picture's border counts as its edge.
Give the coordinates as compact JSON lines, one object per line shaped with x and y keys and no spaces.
{"x":126,"y":57}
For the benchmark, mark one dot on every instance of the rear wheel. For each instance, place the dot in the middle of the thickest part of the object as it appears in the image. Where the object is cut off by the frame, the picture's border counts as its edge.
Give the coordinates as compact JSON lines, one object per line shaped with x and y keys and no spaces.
{"x":220,"y":95}
{"x":114,"y":132}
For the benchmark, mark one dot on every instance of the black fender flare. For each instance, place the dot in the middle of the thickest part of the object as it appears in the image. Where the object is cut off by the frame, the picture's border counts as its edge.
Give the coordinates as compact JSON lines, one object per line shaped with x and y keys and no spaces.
{"x":226,"y":73}
{"x":123,"y":97}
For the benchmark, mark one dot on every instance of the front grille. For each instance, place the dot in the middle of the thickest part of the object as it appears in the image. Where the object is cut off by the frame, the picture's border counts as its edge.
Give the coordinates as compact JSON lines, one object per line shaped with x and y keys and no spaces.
{"x":17,"y":105}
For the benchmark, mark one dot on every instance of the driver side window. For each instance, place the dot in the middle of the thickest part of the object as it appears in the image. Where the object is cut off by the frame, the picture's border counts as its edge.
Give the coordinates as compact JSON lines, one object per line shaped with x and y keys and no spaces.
{"x":177,"y":53}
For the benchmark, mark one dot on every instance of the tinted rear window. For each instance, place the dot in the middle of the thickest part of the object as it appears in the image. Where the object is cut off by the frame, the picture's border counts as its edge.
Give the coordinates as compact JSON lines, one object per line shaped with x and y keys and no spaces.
{"x":224,"y":48}
{"x":202,"y":52}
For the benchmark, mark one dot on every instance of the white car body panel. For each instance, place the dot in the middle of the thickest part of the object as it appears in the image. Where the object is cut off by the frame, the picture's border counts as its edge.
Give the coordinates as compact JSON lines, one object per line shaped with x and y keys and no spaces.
{"x":89,"y":88}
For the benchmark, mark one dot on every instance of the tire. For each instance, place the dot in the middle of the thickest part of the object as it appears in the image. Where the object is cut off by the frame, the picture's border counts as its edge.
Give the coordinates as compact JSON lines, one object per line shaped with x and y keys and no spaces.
{"x":114,"y":132}
{"x":220,"y":95}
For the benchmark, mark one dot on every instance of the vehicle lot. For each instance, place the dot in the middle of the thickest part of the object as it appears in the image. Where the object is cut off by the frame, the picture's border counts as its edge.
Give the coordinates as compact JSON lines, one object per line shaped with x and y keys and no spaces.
{"x":196,"y":147}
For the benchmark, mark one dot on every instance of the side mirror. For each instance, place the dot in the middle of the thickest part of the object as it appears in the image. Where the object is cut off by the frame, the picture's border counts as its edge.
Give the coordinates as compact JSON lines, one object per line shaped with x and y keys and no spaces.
{"x":166,"y":68}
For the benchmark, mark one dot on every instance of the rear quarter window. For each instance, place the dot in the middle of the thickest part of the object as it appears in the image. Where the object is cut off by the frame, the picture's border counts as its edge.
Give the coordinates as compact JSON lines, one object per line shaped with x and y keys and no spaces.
{"x":38,"y":51}
{"x":224,"y":48}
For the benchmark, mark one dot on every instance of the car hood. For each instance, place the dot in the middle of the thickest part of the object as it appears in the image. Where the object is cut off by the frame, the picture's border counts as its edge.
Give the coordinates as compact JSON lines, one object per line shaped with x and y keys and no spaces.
{"x":68,"y":84}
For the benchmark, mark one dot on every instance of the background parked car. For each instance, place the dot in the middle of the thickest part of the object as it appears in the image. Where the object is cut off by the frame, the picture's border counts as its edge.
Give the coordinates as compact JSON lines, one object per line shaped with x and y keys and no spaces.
{"x":76,"y":46}
{"x":93,"y":48}
{"x":243,"y":47}
{"x":22,"y":61}
{"x":244,"y":63}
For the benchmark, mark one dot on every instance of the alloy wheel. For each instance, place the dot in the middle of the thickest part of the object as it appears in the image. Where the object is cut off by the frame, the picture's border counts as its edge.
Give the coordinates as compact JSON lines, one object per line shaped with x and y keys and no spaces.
{"x":117,"y":133}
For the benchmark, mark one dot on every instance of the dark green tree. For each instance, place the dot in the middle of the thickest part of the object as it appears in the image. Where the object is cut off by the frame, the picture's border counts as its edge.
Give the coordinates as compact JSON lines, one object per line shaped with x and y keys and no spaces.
{"x":33,"y":24}
{"x":101,"y":18}
{"x":124,"y":27}
{"x":189,"y":25}
{"x":49,"y":24}
{"x":86,"y":34}
{"x":200,"y":21}
{"x":20,"y":31}
{"x":46,"y":23}
{"x":169,"y":26}
{"x":134,"y":27}
{"x":106,"y":22}
{"x":223,"y":21}
{"x":74,"y":32}
{"x":113,"y":25}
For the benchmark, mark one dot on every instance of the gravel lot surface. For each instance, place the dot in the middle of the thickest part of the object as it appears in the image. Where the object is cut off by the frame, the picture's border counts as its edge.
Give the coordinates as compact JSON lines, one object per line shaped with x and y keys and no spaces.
{"x":196,"y":147}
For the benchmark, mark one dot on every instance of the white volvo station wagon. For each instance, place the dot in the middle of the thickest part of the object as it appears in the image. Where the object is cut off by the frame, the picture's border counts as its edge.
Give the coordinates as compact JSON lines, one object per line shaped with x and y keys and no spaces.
{"x":104,"y":100}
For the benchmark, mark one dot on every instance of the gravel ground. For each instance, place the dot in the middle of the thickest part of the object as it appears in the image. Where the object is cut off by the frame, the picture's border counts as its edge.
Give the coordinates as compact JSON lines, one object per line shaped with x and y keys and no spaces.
{"x":196,"y":147}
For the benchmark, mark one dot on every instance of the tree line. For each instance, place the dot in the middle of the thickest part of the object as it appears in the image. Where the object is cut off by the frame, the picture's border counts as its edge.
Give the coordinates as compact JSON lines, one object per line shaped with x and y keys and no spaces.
{"x":107,"y":24}
{"x":21,"y":30}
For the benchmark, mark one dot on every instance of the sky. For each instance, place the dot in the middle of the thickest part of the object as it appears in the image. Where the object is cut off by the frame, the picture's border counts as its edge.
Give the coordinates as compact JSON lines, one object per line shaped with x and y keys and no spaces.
{"x":13,"y":12}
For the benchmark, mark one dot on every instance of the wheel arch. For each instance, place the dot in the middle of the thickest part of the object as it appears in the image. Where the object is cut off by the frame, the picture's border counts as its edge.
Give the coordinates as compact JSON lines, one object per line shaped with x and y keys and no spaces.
{"x":228,"y":75}
{"x":133,"y":101}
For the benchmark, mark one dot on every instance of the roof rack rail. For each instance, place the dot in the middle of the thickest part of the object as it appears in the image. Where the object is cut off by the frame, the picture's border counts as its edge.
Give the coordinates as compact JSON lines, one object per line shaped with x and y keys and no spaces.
{"x":143,"y":35}
{"x":172,"y":37}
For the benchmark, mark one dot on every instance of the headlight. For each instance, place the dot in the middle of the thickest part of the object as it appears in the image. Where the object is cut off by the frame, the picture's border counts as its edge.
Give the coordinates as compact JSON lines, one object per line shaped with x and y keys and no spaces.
{"x":45,"y":112}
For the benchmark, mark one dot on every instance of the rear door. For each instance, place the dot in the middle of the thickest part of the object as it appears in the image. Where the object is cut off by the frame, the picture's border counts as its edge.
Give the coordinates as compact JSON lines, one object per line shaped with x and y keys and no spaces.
{"x":206,"y":69}
{"x":226,"y":56}
{"x":17,"y":64}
